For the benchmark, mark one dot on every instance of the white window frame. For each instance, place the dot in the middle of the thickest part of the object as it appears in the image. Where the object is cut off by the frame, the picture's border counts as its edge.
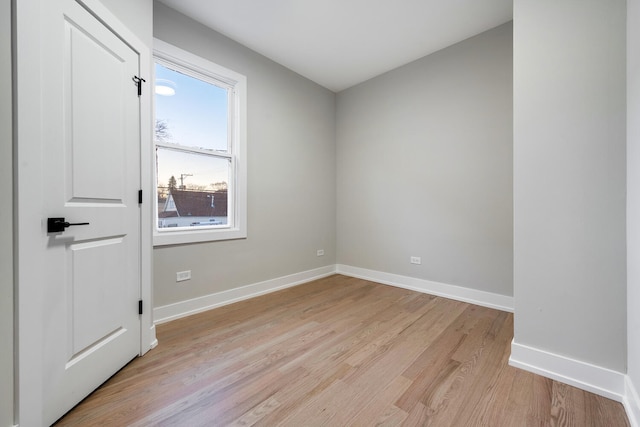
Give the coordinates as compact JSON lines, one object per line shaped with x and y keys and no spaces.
{"x":181,"y":60}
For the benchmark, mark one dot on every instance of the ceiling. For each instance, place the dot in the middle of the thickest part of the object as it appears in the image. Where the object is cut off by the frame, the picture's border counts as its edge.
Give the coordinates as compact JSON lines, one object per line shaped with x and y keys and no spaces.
{"x":340,"y":43}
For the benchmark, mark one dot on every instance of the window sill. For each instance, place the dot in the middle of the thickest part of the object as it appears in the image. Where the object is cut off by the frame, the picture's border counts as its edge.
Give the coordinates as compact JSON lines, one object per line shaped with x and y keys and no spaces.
{"x":181,"y":237}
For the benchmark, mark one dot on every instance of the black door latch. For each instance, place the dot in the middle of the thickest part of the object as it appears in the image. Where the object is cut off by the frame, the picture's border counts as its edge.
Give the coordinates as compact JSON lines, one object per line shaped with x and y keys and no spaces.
{"x":56,"y":225}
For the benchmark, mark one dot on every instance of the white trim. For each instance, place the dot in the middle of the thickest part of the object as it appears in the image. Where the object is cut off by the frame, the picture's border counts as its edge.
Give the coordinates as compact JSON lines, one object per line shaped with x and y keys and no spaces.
{"x":147,"y":162}
{"x":152,"y":331}
{"x":29,"y":374}
{"x":595,"y":379}
{"x":180,"y":309}
{"x":631,"y":402}
{"x":195,"y":65}
{"x":459,"y":293}
{"x":191,"y":63}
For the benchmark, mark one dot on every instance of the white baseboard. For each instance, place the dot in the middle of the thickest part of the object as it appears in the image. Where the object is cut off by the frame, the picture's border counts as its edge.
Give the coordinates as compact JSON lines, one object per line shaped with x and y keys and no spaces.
{"x":632,"y":402}
{"x":592,"y":378}
{"x":180,"y":309}
{"x":459,"y":293}
{"x":154,"y":341}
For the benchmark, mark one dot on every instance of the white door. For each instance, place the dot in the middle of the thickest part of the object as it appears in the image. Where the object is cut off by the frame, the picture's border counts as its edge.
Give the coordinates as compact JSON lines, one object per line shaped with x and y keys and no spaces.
{"x":90,"y":174}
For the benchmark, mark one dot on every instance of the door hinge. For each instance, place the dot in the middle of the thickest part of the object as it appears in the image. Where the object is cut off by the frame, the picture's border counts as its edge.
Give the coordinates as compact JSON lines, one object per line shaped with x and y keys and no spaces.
{"x":138,"y":81}
{"x":140,"y":196}
{"x":140,"y":307}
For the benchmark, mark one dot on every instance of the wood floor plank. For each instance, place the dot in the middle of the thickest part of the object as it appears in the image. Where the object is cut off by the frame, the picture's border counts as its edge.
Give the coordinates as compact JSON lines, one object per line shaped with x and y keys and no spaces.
{"x":303,"y":390}
{"x":322,"y":407}
{"x":251,"y":417}
{"x":378,"y":410}
{"x":476,"y":374}
{"x":417,"y":417}
{"x":338,"y":351}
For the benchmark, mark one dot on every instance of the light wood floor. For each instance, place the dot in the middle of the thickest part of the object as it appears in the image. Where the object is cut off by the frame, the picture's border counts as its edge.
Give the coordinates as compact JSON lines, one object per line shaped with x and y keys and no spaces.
{"x":338,"y":352}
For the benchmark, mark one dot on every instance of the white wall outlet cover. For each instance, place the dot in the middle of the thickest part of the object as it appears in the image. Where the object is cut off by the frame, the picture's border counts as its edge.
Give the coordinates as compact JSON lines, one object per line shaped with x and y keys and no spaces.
{"x":181,"y":276}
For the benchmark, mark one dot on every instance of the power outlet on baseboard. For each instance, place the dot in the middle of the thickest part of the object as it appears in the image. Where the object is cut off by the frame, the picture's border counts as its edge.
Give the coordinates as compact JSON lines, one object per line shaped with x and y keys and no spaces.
{"x":181,"y":276}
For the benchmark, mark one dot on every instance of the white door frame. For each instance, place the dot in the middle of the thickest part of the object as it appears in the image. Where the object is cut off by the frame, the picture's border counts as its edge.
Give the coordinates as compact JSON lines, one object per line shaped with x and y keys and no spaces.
{"x":30,"y":225}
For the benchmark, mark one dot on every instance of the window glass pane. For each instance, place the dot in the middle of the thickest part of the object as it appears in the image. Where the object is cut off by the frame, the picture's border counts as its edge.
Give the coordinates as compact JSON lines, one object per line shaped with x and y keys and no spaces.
{"x":192,"y":189}
{"x":189,"y":111}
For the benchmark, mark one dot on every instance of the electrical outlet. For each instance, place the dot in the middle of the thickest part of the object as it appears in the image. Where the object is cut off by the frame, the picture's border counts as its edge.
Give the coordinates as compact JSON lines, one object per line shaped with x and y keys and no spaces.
{"x":181,"y":276}
{"x":320,"y":252}
{"x":415,"y":260}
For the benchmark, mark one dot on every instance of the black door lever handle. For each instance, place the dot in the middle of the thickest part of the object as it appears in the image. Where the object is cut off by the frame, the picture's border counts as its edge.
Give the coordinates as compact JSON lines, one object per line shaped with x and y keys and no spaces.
{"x":56,"y":225}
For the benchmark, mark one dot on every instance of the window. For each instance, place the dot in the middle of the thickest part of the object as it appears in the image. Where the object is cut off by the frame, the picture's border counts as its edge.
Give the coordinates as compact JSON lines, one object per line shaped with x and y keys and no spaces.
{"x":200,"y":149}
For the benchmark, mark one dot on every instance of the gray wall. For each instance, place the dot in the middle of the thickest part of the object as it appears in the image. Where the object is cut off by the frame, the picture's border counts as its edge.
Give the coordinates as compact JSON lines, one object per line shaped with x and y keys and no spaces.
{"x":291,"y":174}
{"x":425,"y":167}
{"x":136,"y":15}
{"x":633,"y":194}
{"x":6,"y":217}
{"x":569,"y":179}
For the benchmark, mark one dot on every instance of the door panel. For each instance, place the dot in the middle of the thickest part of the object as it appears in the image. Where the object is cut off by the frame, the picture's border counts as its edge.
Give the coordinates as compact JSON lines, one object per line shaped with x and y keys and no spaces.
{"x":96,"y":280}
{"x":92,"y":175}
{"x":97,"y":76}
